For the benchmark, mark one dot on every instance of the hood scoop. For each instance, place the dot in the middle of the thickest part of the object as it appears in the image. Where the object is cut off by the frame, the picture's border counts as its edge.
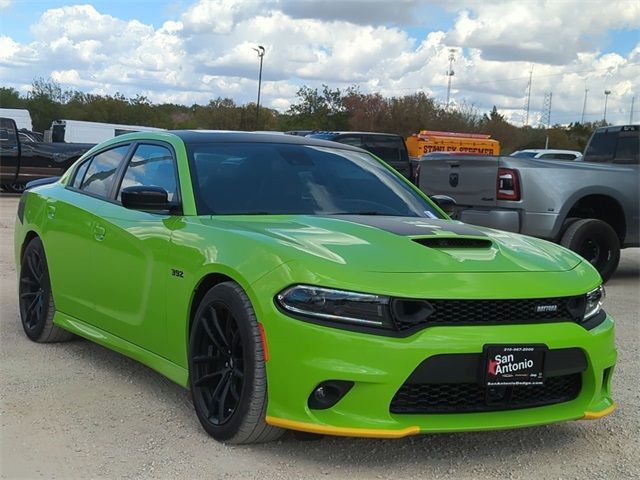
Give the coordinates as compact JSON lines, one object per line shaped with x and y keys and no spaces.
{"x":453,"y":242}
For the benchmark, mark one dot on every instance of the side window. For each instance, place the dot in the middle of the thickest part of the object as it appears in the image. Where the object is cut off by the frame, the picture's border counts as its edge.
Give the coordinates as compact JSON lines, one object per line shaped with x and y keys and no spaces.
{"x":102,"y":172}
{"x":628,"y":149}
{"x":8,"y":135}
{"x":151,"y":165}
{"x":387,"y":148}
{"x":558,"y":156}
{"x":601,"y":147}
{"x":80,"y":172}
{"x":353,"y":140}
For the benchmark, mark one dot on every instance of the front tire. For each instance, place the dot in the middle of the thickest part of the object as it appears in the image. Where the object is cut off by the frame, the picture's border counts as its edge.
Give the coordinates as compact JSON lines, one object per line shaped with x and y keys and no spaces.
{"x":226,"y":368}
{"x":597,"y":242}
{"x":36,"y":298}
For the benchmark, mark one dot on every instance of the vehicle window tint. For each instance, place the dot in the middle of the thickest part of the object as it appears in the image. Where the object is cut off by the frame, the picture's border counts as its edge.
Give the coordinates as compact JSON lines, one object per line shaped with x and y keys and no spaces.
{"x":350,"y":140}
{"x":151,"y":165}
{"x":628,"y":149}
{"x":297,"y":179}
{"x":102,"y":172}
{"x":387,"y":148}
{"x":80,"y":171}
{"x":558,"y":156}
{"x":601,"y":147}
{"x":524,"y":154}
{"x":8,"y":135}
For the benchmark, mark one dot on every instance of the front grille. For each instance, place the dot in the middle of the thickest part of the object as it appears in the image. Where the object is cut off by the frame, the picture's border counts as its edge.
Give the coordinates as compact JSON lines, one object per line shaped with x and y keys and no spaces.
{"x":474,"y":312}
{"x":473,"y":397}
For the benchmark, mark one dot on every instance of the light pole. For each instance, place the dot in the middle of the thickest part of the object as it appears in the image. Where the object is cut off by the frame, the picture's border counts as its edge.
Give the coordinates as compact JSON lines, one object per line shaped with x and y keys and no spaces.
{"x":260,"y":51}
{"x":606,"y":97}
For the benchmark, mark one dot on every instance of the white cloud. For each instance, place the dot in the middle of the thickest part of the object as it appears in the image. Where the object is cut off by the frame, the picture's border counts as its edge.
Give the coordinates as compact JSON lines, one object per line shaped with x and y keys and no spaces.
{"x":547,"y":31}
{"x":4,"y":4}
{"x":207,"y":51}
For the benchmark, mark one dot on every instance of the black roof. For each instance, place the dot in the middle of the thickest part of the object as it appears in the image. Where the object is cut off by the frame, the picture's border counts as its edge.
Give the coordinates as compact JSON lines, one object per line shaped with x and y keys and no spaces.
{"x":619,"y":128}
{"x":211,"y":136}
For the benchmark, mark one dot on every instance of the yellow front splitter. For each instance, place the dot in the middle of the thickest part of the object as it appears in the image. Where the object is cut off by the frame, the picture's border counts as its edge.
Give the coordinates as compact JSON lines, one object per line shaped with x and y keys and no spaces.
{"x":600,"y":414}
{"x":341,"y":431}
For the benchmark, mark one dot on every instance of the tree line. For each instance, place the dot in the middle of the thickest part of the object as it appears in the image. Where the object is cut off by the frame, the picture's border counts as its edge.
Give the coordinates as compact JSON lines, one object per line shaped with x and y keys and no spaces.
{"x":313,"y":109}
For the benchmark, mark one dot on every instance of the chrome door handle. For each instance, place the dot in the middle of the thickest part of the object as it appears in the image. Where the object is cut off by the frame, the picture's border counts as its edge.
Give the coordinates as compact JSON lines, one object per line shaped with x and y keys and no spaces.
{"x":99,"y":232}
{"x":51,"y":211}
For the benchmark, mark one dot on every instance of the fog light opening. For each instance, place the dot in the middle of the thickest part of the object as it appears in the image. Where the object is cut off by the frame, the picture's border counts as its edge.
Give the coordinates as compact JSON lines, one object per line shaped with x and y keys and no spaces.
{"x":328,"y":393}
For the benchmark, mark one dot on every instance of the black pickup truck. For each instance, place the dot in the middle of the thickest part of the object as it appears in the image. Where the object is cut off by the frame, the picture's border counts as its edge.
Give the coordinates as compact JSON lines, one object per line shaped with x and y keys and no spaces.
{"x":23,"y":157}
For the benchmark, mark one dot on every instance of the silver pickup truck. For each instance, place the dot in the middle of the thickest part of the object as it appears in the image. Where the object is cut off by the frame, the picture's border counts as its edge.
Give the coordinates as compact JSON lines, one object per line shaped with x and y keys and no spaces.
{"x":590,"y":206}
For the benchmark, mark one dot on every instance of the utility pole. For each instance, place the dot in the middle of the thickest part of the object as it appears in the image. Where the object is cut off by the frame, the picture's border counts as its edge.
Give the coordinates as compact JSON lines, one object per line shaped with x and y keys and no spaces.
{"x":584,"y":104}
{"x":546,"y":115}
{"x":631,"y":112}
{"x":528,"y":101}
{"x":260,"y":51}
{"x":450,"y":73}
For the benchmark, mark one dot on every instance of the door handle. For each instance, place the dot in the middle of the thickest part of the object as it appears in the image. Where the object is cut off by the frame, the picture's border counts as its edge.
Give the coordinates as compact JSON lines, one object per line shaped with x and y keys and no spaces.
{"x":51,"y":211}
{"x":99,"y":232}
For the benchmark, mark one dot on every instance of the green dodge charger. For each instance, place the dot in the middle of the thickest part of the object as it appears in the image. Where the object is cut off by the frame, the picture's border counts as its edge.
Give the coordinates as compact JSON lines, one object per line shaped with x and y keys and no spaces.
{"x":294,"y":283}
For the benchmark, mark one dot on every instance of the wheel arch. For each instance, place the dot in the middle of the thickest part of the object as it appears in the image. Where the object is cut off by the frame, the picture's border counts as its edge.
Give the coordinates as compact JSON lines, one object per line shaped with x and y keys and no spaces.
{"x":601,"y":206}
{"x":208,"y":280}
{"x":30,"y":235}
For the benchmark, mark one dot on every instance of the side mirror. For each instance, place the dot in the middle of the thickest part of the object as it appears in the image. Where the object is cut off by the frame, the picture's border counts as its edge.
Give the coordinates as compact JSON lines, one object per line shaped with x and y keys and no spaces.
{"x":445,"y":203}
{"x":143,"y":197}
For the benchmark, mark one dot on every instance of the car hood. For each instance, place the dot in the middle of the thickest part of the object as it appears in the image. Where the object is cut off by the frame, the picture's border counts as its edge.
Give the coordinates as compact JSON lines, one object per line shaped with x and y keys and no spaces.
{"x":399,"y":244}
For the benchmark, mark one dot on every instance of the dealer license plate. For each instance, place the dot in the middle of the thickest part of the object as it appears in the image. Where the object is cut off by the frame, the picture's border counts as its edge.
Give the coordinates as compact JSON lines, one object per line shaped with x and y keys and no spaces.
{"x":514,"y":365}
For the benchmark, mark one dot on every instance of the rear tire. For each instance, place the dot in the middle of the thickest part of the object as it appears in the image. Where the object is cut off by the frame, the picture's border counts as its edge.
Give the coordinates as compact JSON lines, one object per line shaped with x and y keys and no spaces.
{"x":228,"y":380}
{"x":597,"y":242}
{"x":37,"y":307}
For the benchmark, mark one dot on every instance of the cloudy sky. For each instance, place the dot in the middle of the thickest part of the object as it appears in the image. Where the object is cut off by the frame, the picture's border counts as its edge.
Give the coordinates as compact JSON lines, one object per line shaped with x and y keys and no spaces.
{"x":189,"y":51}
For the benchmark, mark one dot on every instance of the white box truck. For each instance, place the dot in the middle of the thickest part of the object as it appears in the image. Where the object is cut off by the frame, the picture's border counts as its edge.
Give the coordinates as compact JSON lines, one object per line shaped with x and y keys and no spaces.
{"x":77,"y":131}
{"x":21,"y":116}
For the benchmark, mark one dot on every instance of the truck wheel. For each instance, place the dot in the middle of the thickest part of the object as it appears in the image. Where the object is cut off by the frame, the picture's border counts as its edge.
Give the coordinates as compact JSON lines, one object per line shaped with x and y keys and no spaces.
{"x":597,"y":242}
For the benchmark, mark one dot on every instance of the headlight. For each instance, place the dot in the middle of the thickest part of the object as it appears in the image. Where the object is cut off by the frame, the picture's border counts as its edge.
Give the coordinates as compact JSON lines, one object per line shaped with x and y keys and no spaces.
{"x":337,"y":306}
{"x":594,"y":302}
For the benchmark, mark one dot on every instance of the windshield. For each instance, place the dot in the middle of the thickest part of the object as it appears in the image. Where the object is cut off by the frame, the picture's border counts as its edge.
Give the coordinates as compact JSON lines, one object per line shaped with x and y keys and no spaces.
{"x":267,"y":178}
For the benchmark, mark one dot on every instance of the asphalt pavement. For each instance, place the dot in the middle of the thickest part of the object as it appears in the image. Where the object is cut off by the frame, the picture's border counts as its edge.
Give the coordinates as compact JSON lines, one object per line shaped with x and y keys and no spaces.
{"x":78,"y":410}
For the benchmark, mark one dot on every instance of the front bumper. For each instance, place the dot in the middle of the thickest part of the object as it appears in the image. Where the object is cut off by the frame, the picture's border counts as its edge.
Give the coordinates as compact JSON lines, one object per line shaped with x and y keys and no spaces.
{"x":302,"y":355}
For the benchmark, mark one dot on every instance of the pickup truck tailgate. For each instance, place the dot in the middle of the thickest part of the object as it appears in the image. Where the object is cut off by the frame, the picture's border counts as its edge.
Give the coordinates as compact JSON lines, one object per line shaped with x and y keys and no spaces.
{"x":470,"y":180}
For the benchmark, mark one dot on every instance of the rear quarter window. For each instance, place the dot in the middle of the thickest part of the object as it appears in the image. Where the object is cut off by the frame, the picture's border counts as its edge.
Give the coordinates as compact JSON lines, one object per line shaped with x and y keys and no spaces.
{"x":601,"y":147}
{"x":388,"y":149}
{"x":628,"y":148}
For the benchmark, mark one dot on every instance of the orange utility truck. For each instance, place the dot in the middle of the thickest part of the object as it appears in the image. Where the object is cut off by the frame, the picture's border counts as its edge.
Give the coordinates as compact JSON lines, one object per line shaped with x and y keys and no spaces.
{"x":433,"y":141}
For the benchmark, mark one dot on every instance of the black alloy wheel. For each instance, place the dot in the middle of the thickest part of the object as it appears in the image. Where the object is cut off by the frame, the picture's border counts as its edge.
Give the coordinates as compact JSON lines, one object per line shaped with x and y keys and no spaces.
{"x":37,"y":307}
{"x":218,"y":362}
{"x":34,"y":291}
{"x":227,"y":373}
